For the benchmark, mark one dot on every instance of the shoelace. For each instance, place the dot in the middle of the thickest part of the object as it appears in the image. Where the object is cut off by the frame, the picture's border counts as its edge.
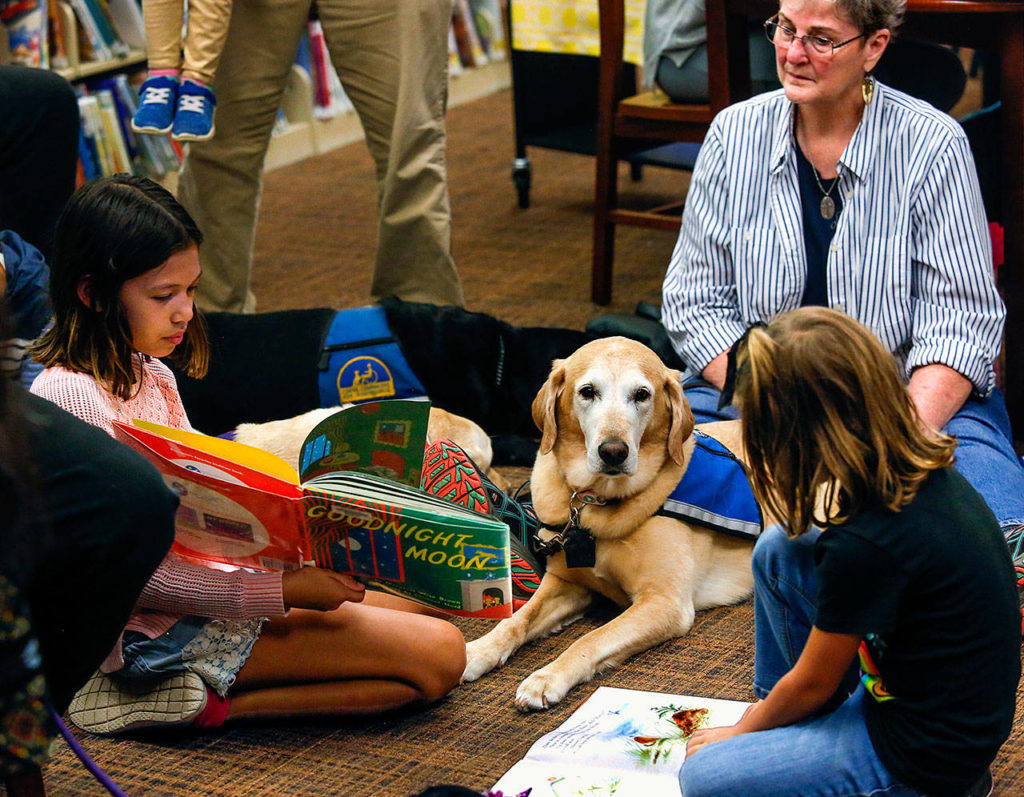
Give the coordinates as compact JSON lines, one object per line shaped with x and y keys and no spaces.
{"x":155,"y":95}
{"x":1015,"y":541}
{"x":192,"y":102}
{"x":504,"y":506}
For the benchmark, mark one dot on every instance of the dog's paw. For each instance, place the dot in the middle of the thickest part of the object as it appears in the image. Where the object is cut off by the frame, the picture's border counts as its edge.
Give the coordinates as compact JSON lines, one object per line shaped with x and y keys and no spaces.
{"x":540,"y":691}
{"x":481,"y":658}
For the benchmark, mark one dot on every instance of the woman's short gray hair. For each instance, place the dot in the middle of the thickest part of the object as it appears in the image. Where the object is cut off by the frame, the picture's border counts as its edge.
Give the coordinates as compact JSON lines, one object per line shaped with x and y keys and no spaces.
{"x":871,"y":15}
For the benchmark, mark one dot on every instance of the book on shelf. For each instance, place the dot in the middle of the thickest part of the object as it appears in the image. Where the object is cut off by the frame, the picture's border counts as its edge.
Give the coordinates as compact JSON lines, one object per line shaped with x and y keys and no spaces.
{"x":354,"y":506}
{"x":124,"y":100}
{"x":621,"y":742}
{"x":57,"y":36}
{"x":471,"y":51}
{"x":95,"y":136}
{"x":86,"y":52}
{"x":126,"y":16}
{"x":118,"y":100}
{"x":102,"y":145}
{"x":95,"y":21}
{"x":454,"y":62}
{"x":329,"y":97}
{"x":88,"y":33}
{"x":87,"y":168}
{"x":488,"y":19}
{"x":113,"y":134}
{"x":26,"y":26}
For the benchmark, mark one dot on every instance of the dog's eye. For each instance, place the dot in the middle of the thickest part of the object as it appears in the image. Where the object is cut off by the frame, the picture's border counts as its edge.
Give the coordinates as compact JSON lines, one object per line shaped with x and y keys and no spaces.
{"x":587,"y":392}
{"x":642,"y":394}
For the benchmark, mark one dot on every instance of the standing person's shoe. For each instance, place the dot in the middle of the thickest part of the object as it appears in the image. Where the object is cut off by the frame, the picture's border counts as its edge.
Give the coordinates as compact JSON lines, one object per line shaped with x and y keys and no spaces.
{"x":158,"y":98}
{"x":193,"y":120}
{"x":448,"y":472}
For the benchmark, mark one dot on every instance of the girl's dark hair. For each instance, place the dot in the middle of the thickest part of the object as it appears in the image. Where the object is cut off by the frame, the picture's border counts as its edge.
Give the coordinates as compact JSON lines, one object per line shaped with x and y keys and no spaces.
{"x":828,"y":425}
{"x":112,"y":230}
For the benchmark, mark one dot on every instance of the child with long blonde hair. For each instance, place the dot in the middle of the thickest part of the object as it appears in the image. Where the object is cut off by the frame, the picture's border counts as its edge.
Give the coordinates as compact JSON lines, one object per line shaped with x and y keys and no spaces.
{"x":242,"y":644}
{"x":884,"y":551}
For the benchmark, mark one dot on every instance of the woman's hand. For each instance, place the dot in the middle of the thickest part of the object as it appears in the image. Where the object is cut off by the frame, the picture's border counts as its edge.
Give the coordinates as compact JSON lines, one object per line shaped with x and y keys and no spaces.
{"x":316,"y":588}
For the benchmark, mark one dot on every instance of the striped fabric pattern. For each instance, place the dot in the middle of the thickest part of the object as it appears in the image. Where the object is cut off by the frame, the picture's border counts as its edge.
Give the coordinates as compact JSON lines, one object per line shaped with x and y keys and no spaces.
{"x":911,"y":257}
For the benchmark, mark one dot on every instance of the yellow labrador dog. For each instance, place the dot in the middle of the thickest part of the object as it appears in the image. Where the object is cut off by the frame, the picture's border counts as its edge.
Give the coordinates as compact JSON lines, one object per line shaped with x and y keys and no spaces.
{"x":285,"y":437}
{"x":616,"y":439}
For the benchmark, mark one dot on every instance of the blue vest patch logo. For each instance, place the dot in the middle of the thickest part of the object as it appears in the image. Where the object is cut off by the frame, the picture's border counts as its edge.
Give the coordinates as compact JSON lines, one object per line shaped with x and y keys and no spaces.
{"x":363,"y":378}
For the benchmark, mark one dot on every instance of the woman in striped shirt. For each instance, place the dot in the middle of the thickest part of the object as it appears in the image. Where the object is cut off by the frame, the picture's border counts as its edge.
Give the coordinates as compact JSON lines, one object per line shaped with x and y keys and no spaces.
{"x":842,"y":192}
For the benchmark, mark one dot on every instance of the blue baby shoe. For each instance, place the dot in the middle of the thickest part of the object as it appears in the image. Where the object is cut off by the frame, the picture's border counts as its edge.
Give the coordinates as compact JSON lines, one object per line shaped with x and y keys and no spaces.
{"x":157,"y":98}
{"x":193,"y":120}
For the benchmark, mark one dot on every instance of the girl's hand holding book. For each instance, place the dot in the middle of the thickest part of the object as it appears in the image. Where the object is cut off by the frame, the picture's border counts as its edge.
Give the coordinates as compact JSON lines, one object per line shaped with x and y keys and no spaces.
{"x":316,"y":588}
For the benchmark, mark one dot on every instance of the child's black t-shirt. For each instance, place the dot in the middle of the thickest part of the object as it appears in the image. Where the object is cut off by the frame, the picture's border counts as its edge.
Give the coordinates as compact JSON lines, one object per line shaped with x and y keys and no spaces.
{"x":931,"y":589}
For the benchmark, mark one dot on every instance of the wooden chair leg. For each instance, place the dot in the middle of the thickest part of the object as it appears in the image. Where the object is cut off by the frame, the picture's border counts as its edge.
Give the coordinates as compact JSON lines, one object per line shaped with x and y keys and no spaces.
{"x":27,"y":783}
{"x":605,"y":198}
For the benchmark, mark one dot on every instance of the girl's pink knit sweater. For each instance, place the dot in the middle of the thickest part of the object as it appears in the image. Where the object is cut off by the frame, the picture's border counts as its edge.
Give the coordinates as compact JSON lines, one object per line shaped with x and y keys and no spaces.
{"x":177,"y":588}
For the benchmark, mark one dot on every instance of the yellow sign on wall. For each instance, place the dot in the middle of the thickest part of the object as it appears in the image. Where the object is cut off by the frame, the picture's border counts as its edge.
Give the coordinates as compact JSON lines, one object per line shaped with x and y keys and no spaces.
{"x":571,"y":26}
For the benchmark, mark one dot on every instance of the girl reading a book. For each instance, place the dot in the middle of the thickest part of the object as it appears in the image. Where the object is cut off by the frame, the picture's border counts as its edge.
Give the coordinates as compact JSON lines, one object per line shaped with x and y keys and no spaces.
{"x":884,"y":552}
{"x":203,"y":646}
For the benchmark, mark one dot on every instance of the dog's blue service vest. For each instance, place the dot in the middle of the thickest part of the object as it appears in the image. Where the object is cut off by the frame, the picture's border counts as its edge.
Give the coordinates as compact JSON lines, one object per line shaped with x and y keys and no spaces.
{"x":360,"y":360}
{"x":714,"y":492}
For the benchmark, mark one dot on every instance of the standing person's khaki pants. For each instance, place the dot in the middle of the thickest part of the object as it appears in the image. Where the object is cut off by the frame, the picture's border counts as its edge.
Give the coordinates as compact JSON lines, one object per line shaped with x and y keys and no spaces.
{"x":204,"y":39}
{"x":392,"y":58}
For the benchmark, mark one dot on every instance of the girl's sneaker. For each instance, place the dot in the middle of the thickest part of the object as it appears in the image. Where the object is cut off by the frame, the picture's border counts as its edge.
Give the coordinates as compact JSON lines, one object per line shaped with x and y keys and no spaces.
{"x":104,"y":706}
{"x":1014,"y":535}
{"x":158,"y":98}
{"x":448,"y":472}
{"x":193,"y":120}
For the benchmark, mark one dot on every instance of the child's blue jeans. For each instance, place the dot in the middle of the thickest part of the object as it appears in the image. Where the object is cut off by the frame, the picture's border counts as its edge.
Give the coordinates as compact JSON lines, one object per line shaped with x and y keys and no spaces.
{"x":830,"y":754}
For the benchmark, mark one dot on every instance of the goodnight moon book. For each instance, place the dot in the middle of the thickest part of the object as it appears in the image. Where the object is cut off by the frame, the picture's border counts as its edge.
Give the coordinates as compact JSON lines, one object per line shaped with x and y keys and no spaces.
{"x":619,"y":743}
{"x":354,"y":506}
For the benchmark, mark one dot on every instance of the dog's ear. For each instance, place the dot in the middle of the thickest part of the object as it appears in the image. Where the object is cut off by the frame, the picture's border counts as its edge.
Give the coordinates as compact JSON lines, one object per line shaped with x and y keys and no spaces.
{"x":545,"y":406}
{"x":682,"y":417}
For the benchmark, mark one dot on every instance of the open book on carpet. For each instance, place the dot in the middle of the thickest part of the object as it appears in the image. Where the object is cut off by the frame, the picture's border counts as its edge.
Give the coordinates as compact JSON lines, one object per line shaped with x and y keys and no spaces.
{"x":621,"y":743}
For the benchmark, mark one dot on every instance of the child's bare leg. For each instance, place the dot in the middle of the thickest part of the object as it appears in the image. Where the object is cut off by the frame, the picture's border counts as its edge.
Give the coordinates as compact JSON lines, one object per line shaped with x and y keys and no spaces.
{"x":386,"y":600}
{"x":358,"y":659}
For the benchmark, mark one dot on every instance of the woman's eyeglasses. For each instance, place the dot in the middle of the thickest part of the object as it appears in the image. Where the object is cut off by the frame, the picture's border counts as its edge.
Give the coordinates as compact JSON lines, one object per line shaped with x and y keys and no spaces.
{"x":778,"y":33}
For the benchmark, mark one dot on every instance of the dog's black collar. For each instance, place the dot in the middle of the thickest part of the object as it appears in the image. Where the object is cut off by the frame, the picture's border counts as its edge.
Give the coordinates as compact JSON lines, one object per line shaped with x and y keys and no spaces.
{"x":574,"y":539}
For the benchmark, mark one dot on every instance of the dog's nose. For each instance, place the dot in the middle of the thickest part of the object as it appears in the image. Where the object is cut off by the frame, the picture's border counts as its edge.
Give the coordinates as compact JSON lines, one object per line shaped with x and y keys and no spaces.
{"x":613,"y":452}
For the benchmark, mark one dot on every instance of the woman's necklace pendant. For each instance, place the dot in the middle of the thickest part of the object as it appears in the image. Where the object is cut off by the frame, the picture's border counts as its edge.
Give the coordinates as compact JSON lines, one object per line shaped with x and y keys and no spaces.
{"x":827,"y":207}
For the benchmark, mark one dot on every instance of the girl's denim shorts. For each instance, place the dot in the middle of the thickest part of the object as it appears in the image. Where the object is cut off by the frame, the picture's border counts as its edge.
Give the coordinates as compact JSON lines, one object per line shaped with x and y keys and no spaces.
{"x":213,"y":649}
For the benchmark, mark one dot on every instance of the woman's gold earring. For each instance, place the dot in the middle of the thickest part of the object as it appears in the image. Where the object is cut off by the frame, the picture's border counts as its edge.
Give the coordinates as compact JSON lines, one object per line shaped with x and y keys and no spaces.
{"x":867,"y":89}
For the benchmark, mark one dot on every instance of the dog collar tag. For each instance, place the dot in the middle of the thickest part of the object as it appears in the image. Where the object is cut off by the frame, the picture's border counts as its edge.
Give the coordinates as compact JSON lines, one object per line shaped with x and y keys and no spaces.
{"x":589,"y":497}
{"x":579,"y":548}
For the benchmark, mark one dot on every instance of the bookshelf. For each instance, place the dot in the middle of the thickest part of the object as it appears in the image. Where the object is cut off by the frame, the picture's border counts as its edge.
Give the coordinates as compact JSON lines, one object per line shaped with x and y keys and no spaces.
{"x":302,"y":135}
{"x":81,"y":70}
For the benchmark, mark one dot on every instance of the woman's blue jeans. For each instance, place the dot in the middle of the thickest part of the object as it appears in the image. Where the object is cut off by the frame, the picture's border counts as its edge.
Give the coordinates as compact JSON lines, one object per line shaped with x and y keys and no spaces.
{"x":830,"y":754}
{"x":984,"y":452}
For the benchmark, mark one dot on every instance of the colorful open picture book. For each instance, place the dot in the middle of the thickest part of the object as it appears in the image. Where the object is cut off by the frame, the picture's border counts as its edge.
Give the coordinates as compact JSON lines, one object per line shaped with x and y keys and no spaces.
{"x":355,"y":507}
{"x":621,"y":742}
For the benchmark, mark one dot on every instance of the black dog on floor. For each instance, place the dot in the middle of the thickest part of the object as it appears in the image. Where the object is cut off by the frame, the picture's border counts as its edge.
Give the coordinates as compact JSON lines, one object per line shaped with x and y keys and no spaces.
{"x":265,"y":367}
